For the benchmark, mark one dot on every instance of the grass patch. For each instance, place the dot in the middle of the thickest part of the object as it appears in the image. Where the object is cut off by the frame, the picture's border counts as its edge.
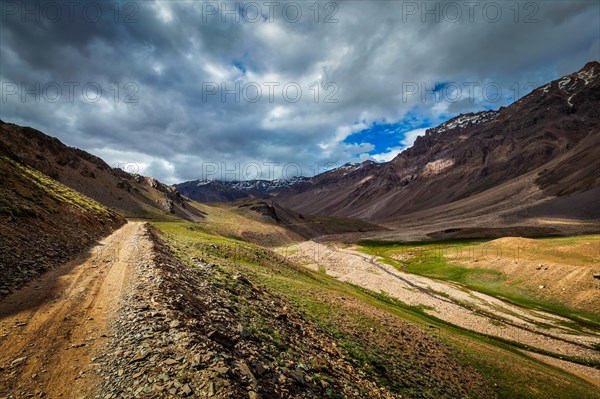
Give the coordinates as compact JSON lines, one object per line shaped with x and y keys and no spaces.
{"x":319,"y":298}
{"x":429,"y":259}
{"x":57,"y":191}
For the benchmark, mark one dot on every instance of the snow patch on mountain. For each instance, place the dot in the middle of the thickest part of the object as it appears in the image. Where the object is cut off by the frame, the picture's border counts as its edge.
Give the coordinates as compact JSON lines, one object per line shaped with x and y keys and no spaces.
{"x":567,"y":84}
{"x":352,"y":167}
{"x":266,"y":185}
{"x":203,"y":182}
{"x":587,"y":75}
{"x":465,"y":120}
{"x":249,"y":185}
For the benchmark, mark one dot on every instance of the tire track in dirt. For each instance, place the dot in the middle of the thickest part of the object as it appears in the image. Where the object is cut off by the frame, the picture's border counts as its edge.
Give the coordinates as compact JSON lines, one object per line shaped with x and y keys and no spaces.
{"x":52,"y":328}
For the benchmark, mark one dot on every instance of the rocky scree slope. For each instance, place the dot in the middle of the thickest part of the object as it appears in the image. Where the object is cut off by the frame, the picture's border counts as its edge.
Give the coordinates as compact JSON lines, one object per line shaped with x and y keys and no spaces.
{"x":43,"y":224}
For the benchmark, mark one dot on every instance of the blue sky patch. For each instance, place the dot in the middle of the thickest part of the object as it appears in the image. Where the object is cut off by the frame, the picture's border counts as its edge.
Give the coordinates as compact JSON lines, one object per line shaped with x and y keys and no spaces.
{"x":385,"y":135}
{"x":239,"y":65}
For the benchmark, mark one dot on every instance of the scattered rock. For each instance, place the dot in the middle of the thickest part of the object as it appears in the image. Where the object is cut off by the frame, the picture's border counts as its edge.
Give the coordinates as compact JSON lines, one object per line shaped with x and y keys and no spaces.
{"x":245,"y":370}
{"x":222,"y":370}
{"x":260,"y":369}
{"x":140,"y":356}
{"x":211,"y":389}
{"x":222,"y":339}
{"x":244,"y":332}
{"x":186,"y":390}
{"x":18,"y":361}
{"x":298,"y":376}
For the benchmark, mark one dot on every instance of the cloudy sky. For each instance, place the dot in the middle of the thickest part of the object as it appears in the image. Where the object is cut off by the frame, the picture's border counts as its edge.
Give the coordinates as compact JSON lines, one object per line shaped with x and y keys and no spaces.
{"x":183,"y":90}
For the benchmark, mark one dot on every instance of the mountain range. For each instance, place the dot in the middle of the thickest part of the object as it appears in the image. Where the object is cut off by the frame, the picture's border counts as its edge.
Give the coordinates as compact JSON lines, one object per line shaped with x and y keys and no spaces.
{"x":530,"y":161}
{"x":132,"y":195}
{"x":114,"y":284}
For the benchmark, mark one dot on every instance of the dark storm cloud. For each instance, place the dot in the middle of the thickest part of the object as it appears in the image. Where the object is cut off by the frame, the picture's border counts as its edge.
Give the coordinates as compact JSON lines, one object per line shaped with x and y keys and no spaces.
{"x":153,"y":61}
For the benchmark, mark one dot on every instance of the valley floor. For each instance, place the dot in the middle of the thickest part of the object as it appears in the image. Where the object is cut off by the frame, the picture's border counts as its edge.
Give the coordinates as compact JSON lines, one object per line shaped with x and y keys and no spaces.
{"x":453,"y":303}
{"x":177,"y":310}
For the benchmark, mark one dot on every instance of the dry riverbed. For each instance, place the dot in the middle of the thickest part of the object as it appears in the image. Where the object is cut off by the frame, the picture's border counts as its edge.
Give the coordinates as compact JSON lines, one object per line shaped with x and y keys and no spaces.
{"x":456,"y":304}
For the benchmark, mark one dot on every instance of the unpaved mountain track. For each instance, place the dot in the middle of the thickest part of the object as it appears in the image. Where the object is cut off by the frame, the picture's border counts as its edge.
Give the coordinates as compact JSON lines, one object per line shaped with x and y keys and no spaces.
{"x":51,"y":330}
{"x":458,"y":305}
{"x":55,"y":332}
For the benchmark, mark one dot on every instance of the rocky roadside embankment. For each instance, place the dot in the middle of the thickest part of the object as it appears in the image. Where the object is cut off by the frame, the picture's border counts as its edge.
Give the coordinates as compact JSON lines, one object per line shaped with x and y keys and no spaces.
{"x":186,"y":331}
{"x":43,"y":224}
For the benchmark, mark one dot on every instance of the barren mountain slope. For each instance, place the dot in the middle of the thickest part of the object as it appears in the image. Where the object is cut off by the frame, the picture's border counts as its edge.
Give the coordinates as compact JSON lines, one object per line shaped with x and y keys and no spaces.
{"x":130,"y":194}
{"x":43,"y":224}
{"x":476,"y":152}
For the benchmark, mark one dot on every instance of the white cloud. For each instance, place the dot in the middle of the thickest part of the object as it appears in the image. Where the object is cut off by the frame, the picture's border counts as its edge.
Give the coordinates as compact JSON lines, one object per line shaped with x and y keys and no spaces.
{"x":137,"y":162}
{"x":163,"y":10}
{"x":408,"y":141}
{"x":368,"y":54}
{"x":411,"y":136}
{"x":387,"y":156}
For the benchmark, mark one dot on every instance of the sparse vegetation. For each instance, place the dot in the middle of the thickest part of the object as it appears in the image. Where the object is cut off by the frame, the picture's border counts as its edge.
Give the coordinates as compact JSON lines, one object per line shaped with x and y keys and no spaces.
{"x":57,"y":191}
{"x":43,"y":224}
{"x":353,"y":316}
{"x":431,"y":259}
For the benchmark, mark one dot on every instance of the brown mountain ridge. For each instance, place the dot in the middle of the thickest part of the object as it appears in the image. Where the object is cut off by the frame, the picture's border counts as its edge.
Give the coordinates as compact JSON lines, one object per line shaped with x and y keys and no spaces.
{"x":537,"y":158}
{"x":132,"y":195}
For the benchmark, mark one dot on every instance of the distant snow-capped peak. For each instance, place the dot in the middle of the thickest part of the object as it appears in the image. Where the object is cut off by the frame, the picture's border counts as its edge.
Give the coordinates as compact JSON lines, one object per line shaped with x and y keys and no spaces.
{"x":465,"y":120}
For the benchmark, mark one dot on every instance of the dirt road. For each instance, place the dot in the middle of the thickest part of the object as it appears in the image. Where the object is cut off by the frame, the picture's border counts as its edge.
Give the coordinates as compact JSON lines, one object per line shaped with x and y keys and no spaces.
{"x":51,"y":329}
{"x":457,"y":304}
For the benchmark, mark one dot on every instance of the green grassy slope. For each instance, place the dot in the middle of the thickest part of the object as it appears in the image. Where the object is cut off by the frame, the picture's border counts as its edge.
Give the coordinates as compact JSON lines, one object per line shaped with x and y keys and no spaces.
{"x":396,"y":345}
{"x":430,"y":259}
